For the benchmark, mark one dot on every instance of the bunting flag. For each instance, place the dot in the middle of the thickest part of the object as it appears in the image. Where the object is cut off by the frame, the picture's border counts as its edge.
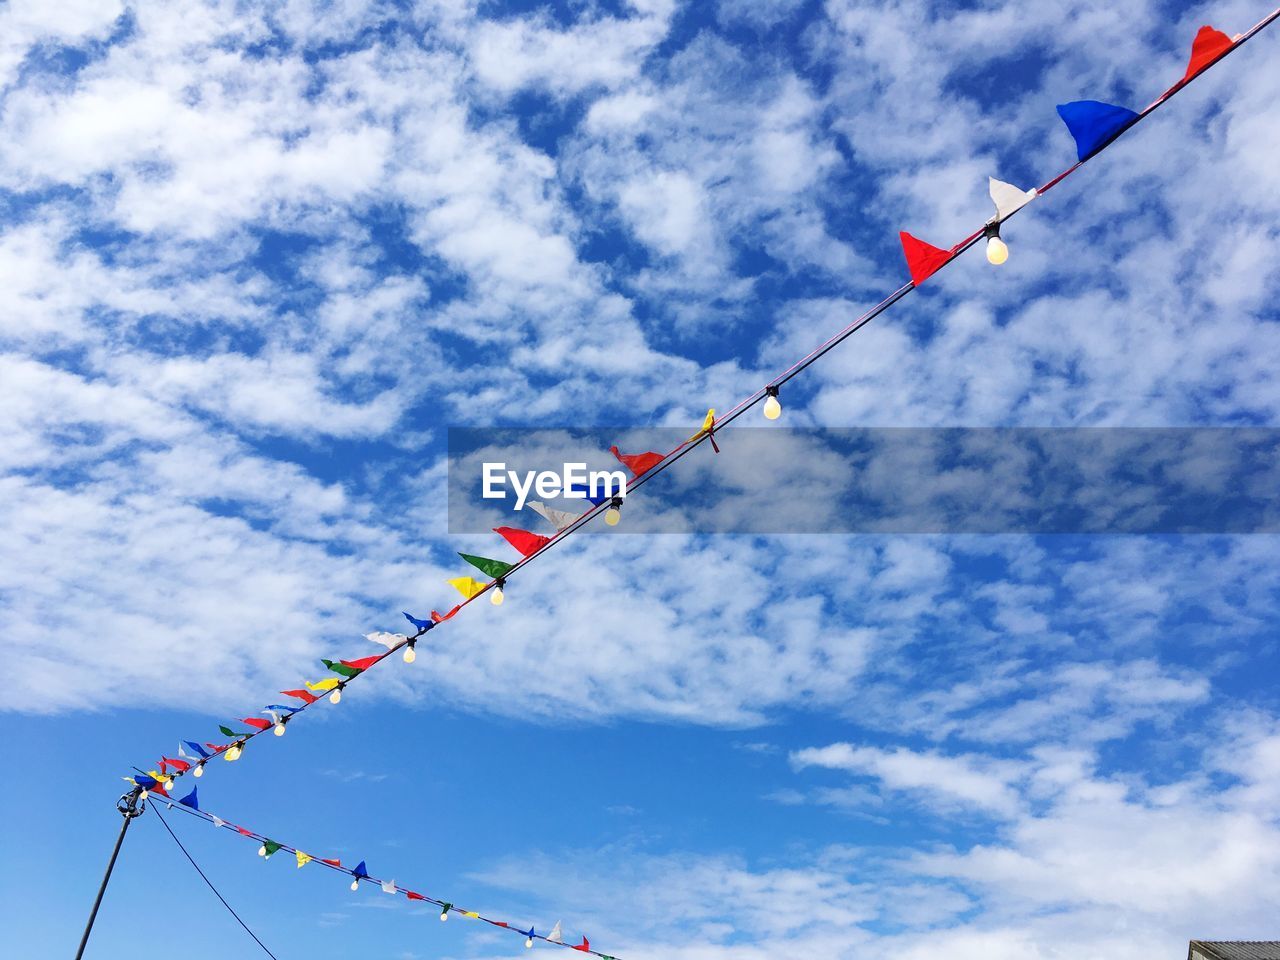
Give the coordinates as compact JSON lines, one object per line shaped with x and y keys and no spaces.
{"x":340,"y":668}
{"x":419,"y":625}
{"x":181,"y":765}
{"x":467,"y":586}
{"x":257,"y":723}
{"x":1008,"y":198}
{"x":526,"y":543}
{"x":302,"y":695}
{"x":200,"y":752}
{"x":638,"y":463}
{"x":496,"y":569}
{"x":191,"y":800}
{"x":596,"y":496}
{"x":1093,"y":125}
{"x":362,"y":664}
{"x":268,"y":847}
{"x":388,"y":640}
{"x":323,"y":686}
{"x":923,"y":259}
{"x":228,"y":732}
{"x":441,"y":618}
{"x":560,"y":519}
{"x":1208,"y":46}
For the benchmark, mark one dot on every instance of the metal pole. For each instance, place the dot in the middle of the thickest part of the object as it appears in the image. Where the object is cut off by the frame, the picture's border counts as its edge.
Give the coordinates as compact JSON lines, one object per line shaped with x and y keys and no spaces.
{"x":130,"y":807}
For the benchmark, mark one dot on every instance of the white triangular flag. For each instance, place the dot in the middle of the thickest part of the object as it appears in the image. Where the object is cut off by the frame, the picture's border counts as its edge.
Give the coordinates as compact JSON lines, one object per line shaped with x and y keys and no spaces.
{"x":1008,"y":198}
{"x":388,"y":640}
{"x":184,"y":755}
{"x":388,"y":886}
{"x":557,"y":518}
{"x":218,"y":821}
{"x":555,"y":936}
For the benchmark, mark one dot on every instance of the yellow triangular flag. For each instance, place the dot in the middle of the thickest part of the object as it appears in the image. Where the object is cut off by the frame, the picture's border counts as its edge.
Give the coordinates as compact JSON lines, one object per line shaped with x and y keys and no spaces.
{"x":303,"y":858}
{"x":466,"y":586}
{"x":328,"y":683}
{"x":472,"y":914}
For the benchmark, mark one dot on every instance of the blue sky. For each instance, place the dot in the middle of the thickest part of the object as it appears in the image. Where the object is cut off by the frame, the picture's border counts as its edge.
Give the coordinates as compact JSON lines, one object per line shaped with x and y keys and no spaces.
{"x":256,"y":259}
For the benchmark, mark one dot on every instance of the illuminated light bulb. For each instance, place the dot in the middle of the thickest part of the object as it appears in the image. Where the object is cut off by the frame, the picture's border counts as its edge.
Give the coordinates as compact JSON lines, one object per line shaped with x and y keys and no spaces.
{"x":997,"y":250}
{"x":198,"y":771}
{"x":772,"y":408}
{"x":614,"y":513}
{"x":279,"y":729}
{"x":409,"y":654}
{"x":355,"y":885}
{"x":262,"y":850}
{"x":444,"y":914}
{"x":495,"y":596}
{"x":528,"y":942}
{"x":233,"y":752}
{"x":144,"y":794}
{"x":336,"y":696}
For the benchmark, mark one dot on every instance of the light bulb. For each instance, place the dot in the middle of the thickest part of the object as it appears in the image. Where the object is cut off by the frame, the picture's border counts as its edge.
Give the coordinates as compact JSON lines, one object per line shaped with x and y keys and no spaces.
{"x":997,"y":251}
{"x":528,"y":942}
{"x":262,"y":850}
{"x":409,"y":654}
{"x":444,"y":915}
{"x":336,"y":696}
{"x":496,"y":597}
{"x":144,"y":794}
{"x":233,"y":752}
{"x":612,"y":516}
{"x":198,"y":771}
{"x":279,"y":730}
{"x":772,"y":408}
{"x":355,"y":885}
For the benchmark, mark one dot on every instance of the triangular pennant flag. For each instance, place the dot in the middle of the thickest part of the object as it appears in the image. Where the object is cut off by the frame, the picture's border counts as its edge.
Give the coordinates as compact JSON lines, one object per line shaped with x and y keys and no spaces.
{"x":228,"y":732}
{"x":301,"y":695}
{"x":256,"y":722}
{"x":360,"y":870}
{"x":243,"y":832}
{"x":176,"y":764}
{"x":1094,"y":124}
{"x":556,"y":935}
{"x":1207,"y":47}
{"x":217,"y":821}
{"x":191,"y":800}
{"x":414,"y":896}
{"x":217,"y":747}
{"x":340,"y":668}
{"x":145,"y":782}
{"x":494,"y":568}
{"x":388,"y":886}
{"x":268,"y":848}
{"x":303,"y":858}
{"x":363,"y":664}
{"x":582,"y":491}
{"x":1008,"y":198}
{"x":471,"y":913}
{"x":466,"y":586}
{"x":419,"y":624}
{"x":923,"y":259}
{"x":557,"y":518}
{"x":328,"y":683}
{"x":525,"y":542}
{"x":388,"y":640}
{"x":204,"y":754}
{"x":442,"y":617}
{"x":638,"y":463}
{"x":585,"y":945}
{"x":528,"y":933}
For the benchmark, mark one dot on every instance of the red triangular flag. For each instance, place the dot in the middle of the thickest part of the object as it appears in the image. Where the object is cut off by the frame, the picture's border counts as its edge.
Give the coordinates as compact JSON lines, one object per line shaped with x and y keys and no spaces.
{"x":364,"y":663}
{"x":438,"y":618}
{"x":414,"y":896}
{"x":527,"y":543}
{"x":176,"y":764}
{"x":923,"y":259}
{"x":332,"y":863}
{"x":256,"y":722}
{"x":244,"y":831}
{"x":304,"y":695}
{"x":1208,"y":45}
{"x":585,"y":945}
{"x":637,"y":463}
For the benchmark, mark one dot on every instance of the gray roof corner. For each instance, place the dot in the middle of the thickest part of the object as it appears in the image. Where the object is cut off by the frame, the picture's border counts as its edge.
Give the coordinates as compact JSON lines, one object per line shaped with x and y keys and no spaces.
{"x":1234,"y":949}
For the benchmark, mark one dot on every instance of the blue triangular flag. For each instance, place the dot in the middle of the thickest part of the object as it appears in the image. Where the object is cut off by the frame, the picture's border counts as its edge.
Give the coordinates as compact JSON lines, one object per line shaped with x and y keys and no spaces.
{"x":1094,"y":124}
{"x":191,"y":800}
{"x":197,"y":748}
{"x":145,"y":782}
{"x":360,"y":870}
{"x":422,"y":625}
{"x":597,"y":496}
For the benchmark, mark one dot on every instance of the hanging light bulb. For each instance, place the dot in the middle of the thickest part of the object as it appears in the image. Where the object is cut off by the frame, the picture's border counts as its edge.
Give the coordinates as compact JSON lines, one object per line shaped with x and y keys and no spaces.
{"x":262,"y":850}
{"x":143,"y":794}
{"x":528,"y":942}
{"x":772,"y":408}
{"x":997,"y":249}
{"x":614,"y":513}
{"x":355,"y":884}
{"x":336,"y":696}
{"x":409,"y":654}
{"x":495,"y":595}
{"x":279,"y":728}
{"x":199,"y":770}
{"x":233,"y":752}
{"x":444,"y":911}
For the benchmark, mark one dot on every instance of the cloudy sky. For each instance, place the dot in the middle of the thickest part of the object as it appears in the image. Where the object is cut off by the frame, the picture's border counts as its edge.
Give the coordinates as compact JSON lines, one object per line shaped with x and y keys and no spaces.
{"x":255,"y":259}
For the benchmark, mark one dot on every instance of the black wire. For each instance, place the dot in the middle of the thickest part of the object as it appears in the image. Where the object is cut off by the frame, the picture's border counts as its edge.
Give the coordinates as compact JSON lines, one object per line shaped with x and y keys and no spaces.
{"x":156,"y":808}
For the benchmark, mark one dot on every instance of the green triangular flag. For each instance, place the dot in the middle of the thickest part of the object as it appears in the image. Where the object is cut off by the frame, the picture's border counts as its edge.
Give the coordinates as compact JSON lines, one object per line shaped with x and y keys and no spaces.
{"x":341,"y":668}
{"x":494,"y":568}
{"x":271,"y":846}
{"x":228,"y":732}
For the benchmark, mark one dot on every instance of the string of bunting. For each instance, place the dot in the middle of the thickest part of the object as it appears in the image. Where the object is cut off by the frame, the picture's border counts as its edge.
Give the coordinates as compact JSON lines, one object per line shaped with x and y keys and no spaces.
{"x":1093,"y":126}
{"x":268,"y":848}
